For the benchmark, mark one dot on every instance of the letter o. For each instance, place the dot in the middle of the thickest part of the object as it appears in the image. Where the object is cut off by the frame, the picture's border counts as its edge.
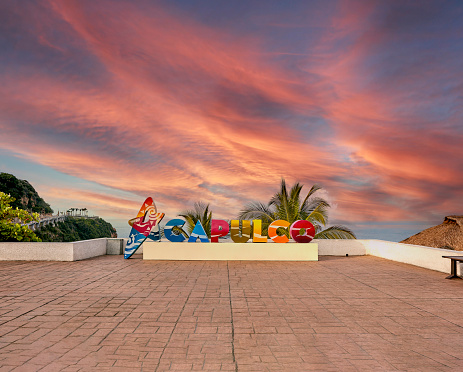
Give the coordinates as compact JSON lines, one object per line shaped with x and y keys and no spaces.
{"x":295,"y":230}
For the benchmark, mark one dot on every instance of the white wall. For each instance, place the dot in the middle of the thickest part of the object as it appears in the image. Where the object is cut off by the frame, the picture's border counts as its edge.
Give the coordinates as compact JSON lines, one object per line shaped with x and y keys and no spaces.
{"x":418,"y":255}
{"x":33,"y":251}
{"x":427,"y":257}
{"x":115,"y":245}
{"x":89,"y":248}
{"x":341,"y":247}
{"x":49,"y":251}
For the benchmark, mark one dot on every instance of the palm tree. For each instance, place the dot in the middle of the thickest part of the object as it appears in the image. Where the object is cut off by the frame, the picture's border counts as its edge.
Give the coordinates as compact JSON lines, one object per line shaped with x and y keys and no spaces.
{"x":290,"y":207}
{"x":200,"y":212}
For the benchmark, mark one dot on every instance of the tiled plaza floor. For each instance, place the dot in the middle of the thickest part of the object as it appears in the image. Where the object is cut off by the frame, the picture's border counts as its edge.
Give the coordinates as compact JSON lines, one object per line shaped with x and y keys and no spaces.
{"x":338,"y":314}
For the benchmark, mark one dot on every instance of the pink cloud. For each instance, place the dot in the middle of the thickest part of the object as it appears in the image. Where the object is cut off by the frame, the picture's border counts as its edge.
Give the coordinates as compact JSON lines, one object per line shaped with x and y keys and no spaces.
{"x":184,"y":111}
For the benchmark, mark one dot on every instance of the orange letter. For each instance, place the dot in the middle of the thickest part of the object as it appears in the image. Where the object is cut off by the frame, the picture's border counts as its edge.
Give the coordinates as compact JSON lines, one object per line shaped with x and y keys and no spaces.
{"x":272,"y":231}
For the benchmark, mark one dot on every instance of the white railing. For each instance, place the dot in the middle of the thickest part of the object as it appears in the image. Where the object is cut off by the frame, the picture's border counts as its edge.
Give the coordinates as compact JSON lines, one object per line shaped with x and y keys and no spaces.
{"x":34,"y":225}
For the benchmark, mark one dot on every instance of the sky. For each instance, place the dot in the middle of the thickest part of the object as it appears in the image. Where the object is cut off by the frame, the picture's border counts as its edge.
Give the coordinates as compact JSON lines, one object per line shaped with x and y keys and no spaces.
{"x":104,"y":103}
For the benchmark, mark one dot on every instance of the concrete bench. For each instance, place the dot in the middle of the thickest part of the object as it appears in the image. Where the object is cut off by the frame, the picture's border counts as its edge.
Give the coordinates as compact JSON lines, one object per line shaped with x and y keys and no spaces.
{"x":453,"y":266}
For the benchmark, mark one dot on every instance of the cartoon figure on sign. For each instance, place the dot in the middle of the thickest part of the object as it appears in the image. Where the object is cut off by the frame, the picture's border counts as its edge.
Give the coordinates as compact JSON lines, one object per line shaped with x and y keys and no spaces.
{"x":145,"y":225}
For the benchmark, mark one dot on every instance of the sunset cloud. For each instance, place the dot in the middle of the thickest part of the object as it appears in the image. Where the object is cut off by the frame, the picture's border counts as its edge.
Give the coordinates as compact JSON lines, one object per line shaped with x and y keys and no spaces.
{"x":157,"y":100}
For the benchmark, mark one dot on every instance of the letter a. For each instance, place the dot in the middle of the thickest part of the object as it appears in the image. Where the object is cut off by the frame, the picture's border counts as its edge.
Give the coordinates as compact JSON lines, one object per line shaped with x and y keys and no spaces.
{"x":198,"y":232}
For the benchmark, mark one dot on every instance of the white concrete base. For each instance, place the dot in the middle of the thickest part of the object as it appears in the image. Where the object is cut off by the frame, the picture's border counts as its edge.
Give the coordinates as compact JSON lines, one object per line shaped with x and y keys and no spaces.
{"x":418,"y":255}
{"x":115,"y":246}
{"x":49,"y":251}
{"x":341,"y":247}
{"x":230,"y":251}
{"x":32,"y":251}
{"x":88,"y":248}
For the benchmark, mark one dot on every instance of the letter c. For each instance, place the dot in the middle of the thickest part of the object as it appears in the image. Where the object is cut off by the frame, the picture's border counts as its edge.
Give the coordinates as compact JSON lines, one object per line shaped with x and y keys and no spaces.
{"x":272,"y":231}
{"x":168,"y":230}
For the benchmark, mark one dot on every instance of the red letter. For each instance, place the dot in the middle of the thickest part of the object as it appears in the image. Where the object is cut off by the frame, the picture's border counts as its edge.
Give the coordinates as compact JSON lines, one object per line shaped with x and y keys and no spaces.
{"x":218,"y":228}
{"x":295,"y":231}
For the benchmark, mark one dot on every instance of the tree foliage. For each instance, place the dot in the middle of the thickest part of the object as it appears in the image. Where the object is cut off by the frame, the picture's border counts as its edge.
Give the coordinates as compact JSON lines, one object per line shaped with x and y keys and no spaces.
{"x":200,"y":212}
{"x":289,"y":206}
{"x":77,"y":228}
{"x":11,"y":219}
{"x":24,"y":194}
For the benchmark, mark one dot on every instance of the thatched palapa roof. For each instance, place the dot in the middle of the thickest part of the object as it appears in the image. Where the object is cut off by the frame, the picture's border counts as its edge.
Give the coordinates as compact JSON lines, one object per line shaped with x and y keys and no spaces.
{"x":447,"y":235}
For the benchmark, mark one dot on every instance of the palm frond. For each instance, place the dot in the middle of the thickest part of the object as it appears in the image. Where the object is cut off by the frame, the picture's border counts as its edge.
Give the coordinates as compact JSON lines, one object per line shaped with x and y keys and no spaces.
{"x":288,"y":206}
{"x":309,"y":195}
{"x":200,"y":212}
{"x":295,"y":191}
{"x":257,"y":210}
{"x":276,"y":198}
{"x":295,"y":202}
{"x":190,"y":219}
{"x":281,"y":202}
{"x":319,"y":214}
{"x":335,"y":232}
{"x":313,"y":203}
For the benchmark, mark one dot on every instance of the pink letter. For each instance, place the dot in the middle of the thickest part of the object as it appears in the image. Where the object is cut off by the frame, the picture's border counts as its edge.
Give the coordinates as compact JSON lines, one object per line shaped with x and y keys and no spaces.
{"x":218,"y":228}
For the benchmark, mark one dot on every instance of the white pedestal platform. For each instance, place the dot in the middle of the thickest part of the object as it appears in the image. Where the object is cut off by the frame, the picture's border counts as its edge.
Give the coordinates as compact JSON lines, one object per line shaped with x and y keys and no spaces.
{"x":230,"y":251}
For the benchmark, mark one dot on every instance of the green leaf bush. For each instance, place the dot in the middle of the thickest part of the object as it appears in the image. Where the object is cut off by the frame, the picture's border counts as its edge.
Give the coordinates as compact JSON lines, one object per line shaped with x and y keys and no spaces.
{"x":11,"y":219}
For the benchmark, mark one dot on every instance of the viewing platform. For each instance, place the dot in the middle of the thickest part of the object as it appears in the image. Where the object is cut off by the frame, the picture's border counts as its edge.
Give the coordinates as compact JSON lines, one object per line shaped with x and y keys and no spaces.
{"x":356,"y":313}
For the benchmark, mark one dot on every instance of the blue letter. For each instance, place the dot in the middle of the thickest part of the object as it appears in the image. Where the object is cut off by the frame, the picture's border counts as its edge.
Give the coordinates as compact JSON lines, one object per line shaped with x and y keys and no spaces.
{"x":198,"y":232}
{"x":168,"y":230}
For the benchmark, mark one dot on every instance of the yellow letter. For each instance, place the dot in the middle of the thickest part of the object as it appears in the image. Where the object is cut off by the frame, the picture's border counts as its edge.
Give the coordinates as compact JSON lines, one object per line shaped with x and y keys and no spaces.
{"x":257,"y":231}
{"x":235,"y":231}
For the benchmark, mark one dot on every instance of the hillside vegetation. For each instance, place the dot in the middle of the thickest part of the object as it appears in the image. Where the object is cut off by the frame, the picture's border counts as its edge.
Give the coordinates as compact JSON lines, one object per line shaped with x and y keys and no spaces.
{"x":77,"y":228}
{"x":24,"y":194}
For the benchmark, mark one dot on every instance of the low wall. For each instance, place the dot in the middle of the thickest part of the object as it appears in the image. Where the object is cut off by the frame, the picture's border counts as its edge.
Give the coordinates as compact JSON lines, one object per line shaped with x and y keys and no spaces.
{"x":88,"y":248}
{"x":32,"y":251}
{"x":426,"y":257}
{"x":50,"y":251}
{"x":115,"y":246}
{"x":341,"y":247}
{"x":418,"y":255}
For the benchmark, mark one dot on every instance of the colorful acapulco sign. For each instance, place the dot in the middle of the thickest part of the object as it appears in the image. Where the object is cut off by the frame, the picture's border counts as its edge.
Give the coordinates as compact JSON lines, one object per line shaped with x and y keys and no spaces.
{"x":146,"y":226}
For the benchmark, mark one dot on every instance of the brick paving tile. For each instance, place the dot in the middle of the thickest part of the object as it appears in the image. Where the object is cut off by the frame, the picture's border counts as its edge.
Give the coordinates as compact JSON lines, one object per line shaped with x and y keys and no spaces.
{"x":338,"y":314}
